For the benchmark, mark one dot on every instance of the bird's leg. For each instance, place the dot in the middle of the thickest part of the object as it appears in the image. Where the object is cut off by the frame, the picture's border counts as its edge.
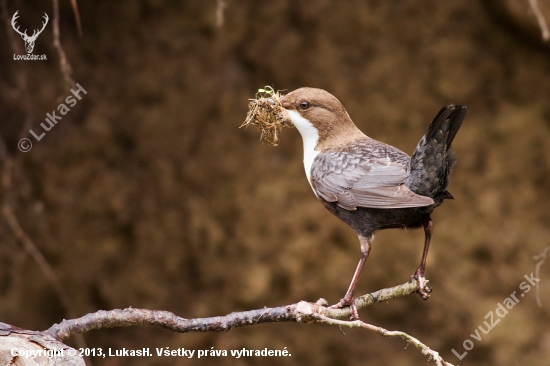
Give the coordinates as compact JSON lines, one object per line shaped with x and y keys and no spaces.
{"x":348,"y":298}
{"x":423,"y":289}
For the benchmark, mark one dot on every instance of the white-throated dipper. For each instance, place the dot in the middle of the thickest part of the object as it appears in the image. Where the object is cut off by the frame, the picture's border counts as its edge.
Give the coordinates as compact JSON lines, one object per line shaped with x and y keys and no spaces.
{"x":368,"y":184}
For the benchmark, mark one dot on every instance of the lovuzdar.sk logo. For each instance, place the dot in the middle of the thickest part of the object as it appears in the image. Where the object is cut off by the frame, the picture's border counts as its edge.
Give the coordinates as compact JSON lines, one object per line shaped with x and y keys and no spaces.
{"x":29,"y":40}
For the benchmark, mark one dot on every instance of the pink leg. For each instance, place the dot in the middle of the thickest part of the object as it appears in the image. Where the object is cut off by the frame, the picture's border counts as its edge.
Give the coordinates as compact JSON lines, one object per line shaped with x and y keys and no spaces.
{"x":424,"y":290}
{"x":348,"y":298}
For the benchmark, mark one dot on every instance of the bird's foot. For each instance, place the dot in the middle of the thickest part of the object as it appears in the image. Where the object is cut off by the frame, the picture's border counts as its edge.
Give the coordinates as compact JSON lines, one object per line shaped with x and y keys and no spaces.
{"x":347,"y":301}
{"x":423,"y":290}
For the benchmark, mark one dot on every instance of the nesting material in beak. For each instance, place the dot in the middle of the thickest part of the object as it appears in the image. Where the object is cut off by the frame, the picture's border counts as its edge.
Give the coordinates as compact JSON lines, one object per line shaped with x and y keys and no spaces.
{"x":267,"y":114}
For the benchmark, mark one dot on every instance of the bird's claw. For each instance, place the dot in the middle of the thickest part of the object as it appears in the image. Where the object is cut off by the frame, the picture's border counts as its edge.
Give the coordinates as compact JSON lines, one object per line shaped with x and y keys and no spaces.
{"x":423,"y":289}
{"x":424,"y":293}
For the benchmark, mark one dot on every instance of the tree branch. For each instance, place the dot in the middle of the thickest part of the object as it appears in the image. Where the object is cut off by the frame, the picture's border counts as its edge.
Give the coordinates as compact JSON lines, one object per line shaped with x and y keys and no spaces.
{"x":130,"y":316}
{"x":301,"y":312}
{"x":540,"y":19}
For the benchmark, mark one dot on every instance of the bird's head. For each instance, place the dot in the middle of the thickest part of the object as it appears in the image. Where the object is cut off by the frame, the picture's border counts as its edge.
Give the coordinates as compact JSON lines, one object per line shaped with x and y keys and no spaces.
{"x":319,"y":117}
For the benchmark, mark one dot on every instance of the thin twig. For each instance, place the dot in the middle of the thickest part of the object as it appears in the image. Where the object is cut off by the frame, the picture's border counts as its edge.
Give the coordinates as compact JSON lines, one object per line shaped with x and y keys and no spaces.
{"x":426,"y":351}
{"x":541,"y":259}
{"x":74,"y":4}
{"x":32,"y":250}
{"x":540,"y":19}
{"x":65,"y":66}
{"x":38,"y":258}
{"x":220,"y":8}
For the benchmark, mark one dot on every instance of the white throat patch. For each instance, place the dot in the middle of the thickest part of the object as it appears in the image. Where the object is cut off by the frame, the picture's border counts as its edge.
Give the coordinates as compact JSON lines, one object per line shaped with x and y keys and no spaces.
{"x":310,"y":137}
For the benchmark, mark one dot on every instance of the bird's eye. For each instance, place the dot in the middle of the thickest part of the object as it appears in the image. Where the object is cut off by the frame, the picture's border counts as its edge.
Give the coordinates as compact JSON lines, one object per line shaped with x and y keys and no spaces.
{"x":304,"y":105}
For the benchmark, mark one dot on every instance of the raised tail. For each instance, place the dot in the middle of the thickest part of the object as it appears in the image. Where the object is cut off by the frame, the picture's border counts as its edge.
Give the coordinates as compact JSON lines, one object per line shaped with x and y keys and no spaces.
{"x":433,"y":159}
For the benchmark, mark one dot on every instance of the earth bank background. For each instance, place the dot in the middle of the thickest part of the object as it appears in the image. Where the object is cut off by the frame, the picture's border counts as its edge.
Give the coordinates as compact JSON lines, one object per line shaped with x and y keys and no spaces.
{"x":148,"y":195}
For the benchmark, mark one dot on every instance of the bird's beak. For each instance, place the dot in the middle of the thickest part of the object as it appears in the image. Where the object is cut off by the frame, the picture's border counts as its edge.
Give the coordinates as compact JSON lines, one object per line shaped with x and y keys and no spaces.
{"x":284,"y":110}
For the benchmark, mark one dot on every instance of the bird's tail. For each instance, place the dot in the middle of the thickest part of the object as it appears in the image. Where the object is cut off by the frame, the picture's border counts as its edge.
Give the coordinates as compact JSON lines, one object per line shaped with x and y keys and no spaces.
{"x":433,"y":159}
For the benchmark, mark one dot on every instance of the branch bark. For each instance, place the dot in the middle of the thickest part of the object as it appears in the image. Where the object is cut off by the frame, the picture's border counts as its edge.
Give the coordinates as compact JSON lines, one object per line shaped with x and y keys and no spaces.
{"x":295,"y":312}
{"x":301,"y":312}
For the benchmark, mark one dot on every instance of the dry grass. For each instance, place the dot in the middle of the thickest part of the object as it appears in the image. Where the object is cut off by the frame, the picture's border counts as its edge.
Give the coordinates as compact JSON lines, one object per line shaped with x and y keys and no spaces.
{"x":267,"y":114}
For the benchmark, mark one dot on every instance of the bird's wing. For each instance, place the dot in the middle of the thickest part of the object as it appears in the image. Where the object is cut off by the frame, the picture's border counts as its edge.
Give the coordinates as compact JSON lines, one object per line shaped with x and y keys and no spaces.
{"x":362,"y":177}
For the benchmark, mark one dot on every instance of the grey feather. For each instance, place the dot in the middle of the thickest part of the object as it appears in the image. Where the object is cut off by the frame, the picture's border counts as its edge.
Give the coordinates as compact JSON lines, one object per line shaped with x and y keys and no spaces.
{"x":365,"y":173}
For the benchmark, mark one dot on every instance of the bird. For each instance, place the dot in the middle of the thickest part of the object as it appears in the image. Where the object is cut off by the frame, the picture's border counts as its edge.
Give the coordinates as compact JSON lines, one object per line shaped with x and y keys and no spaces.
{"x":368,"y":184}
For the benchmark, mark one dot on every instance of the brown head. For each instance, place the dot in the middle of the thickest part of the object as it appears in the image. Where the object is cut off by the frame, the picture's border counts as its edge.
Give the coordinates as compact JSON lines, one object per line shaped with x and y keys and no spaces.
{"x":320,"y":118}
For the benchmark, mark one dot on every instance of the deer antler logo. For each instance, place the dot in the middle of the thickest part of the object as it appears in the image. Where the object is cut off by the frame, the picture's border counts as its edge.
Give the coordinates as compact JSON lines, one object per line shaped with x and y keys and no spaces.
{"x":29,"y":40}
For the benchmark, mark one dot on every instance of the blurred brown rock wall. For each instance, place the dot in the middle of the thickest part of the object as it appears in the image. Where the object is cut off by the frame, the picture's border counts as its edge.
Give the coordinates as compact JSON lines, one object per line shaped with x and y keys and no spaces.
{"x":147,"y":194}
